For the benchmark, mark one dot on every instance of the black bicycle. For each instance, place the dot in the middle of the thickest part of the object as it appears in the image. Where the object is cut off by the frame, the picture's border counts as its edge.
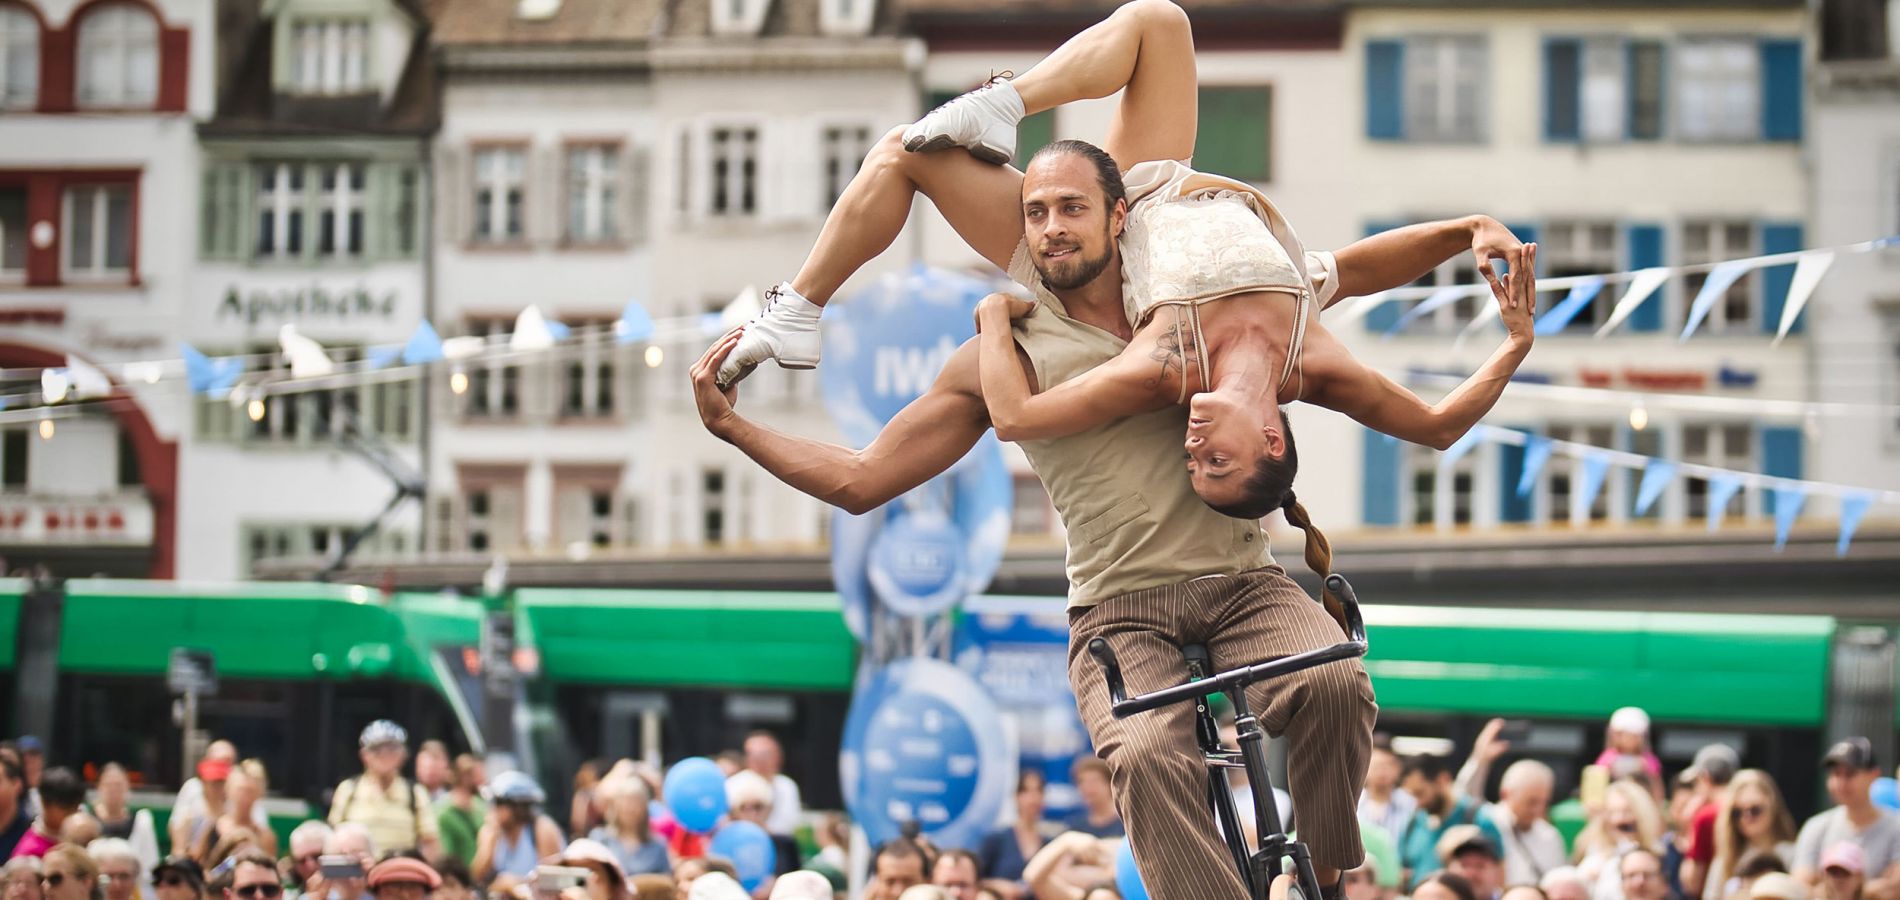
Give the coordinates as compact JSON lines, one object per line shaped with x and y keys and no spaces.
{"x":1260,"y":867}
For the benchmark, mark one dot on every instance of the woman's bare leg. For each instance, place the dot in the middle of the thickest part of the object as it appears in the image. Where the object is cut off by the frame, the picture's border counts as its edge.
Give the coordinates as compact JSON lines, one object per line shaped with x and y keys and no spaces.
{"x":982,"y":202}
{"x":1145,"y":47}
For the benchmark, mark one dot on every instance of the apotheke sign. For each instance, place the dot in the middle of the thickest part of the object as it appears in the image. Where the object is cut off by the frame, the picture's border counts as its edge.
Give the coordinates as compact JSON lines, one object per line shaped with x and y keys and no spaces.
{"x":308,"y":303}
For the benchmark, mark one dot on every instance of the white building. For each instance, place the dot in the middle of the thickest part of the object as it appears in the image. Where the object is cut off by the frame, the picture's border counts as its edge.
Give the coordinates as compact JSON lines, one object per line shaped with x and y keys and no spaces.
{"x":312,"y":213}
{"x":98,"y":163}
{"x":1856,"y":310}
{"x":595,"y":152}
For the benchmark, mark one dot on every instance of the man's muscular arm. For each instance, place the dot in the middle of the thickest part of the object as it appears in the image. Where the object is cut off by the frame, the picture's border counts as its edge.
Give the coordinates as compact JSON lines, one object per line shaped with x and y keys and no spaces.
{"x":922,"y":441}
{"x":1401,"y":256}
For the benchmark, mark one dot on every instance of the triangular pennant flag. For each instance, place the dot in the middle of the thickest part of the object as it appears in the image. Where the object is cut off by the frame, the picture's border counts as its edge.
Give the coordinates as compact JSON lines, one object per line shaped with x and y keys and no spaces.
{"x":87,"y":380}
{"x":1641,"y":288}
{"x":382,"y":357}
{"x":1720,"y":278}
{"x":1853,"y":508}
{"x":55,"y":384}
{"x":1536,"y":453}
{"x":1439,"y":299}
{"x":1582,"y":294}
{"x":559,"y":330}
{"x":634,"y":324}
{"x":1722,"y":489}
{"x":1788,"y":503}
{"x":1807,"y":274}
{"x":210,"y":376}
{"x":1596,"y":467}
{"x":1463,"y":445}
{"x":424,"y":347}
{"x":1656,"y":476}
{"x":306,"y":357}
{"x":531,"y":331}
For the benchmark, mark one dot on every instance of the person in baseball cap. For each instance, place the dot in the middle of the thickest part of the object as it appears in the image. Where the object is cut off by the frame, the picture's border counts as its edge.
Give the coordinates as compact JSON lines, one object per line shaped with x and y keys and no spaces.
{"x":1465,"y":850}
{"x":1851,"y":771}
{"x":396,"y":812}
{"x":402,"y":878}
{"x":179,"y":872}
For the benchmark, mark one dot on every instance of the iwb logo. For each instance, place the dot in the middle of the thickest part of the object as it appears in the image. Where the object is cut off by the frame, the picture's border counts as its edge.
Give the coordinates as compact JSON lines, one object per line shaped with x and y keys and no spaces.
{"x":908,"y":371}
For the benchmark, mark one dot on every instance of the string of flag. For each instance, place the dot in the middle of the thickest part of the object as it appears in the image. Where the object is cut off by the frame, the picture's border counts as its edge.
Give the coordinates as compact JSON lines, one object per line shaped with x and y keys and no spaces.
{"x":1595,"y":463}
{"x":1581,"y":291}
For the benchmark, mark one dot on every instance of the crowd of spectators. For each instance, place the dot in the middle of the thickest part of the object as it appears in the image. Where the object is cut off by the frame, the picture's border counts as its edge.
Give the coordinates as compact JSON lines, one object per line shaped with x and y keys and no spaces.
{"x":1433,"y":831}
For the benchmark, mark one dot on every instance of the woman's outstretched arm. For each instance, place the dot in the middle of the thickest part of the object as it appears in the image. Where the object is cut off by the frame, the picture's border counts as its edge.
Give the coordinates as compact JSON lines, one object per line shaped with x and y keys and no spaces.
{"x":1401,"y":256}
{"x":1379,"y":403}
{"x":1105,"y":393}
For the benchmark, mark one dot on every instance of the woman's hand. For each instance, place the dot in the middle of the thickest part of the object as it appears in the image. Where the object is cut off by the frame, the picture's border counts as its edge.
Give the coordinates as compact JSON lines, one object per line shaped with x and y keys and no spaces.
{"x":1002,"y":308}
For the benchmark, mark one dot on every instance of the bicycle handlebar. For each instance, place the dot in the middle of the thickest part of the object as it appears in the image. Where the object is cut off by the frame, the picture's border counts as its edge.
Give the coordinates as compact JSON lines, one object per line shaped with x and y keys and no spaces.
{"x":1355,"y":645}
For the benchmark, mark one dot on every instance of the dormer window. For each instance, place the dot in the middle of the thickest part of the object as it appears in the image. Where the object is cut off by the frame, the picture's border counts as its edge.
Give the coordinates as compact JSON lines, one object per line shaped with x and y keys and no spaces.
{"x":739,"y":17}
{"x":330,"y":56}
{"x":19,"y":58}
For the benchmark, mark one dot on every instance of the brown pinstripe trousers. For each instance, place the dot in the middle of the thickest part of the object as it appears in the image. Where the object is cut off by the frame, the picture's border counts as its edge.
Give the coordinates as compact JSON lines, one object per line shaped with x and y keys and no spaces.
{"x":1327,"y":714}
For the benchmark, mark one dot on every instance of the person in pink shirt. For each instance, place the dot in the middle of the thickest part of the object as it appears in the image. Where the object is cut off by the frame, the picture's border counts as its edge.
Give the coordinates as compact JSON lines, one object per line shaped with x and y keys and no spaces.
{"x":1629,"y":737}
{"x":61,"y":794}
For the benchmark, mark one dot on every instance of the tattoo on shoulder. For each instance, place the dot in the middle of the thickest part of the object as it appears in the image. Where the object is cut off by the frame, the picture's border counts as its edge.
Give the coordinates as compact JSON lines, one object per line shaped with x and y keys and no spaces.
{"x":1172,"y":354}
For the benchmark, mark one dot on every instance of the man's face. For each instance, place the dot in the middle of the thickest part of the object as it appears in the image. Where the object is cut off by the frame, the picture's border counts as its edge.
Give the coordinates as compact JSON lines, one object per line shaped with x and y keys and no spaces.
{"x":306,"y":855}
{"x":1095,"y":790}
{"x":1383,"y":771}
{"x":762,"y":755}
{"x":1528,"y":802}
{"x":254,"y":882}
{"x":1422,"y":788}
{"x":1842,"y":883}
{"x":957,"y":876}
{"x":401,"y":890}
{"x":1068,"y":223}
{"x":432,"y":767}
{"x":1029,"y":800}
{"x":384,"y":760}
{"x":1643,"y":877}
{"x":1360,"y":885}
{"x":121,"y":876}
{"x":896,"y":874}
{"x":1485,"y":874}
{"x":1848,"y":785}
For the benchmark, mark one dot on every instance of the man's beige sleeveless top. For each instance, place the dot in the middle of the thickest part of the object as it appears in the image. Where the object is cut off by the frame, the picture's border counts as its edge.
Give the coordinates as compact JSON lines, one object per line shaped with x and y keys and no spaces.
{"x":1122,"y":489}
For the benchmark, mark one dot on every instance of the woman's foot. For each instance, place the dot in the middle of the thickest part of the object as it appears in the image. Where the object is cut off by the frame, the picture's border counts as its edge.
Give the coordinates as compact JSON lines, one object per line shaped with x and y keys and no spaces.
{"x":785,"y":330}
{"x":983,"y":120}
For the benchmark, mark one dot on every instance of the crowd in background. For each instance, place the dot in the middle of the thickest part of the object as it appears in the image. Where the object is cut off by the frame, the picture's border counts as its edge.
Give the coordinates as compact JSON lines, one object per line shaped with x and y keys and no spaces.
{"x":448,"y":831}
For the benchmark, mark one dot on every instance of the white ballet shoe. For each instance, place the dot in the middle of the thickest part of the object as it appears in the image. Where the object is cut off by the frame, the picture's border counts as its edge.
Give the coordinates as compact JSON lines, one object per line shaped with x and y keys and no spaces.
{"x":983,"y":120}
{"x":786,"y":330}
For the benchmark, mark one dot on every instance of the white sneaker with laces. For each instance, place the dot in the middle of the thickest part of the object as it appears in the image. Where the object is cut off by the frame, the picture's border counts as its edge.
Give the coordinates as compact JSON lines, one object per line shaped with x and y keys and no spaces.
{"x":786,"y":330}
{"x":983,"y":120}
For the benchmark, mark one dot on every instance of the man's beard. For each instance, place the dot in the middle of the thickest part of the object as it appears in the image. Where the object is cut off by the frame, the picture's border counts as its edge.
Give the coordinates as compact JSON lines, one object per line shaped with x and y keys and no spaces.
{"x":1080,"y":271}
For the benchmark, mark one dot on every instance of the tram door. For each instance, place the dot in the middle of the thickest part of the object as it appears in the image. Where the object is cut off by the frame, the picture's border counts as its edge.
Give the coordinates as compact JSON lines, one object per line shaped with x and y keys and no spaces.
{"x":630,"y":725}
{"x":1862,"y":699}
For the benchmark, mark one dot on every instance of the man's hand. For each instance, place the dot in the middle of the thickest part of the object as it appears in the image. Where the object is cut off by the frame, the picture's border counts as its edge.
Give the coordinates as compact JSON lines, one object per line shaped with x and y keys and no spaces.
{"x":1002,"y":308}
{"x":1491,"y":240}
{"x":1488,"y":748}
{"x":715,"y":405}
{"x":1520,"y":285}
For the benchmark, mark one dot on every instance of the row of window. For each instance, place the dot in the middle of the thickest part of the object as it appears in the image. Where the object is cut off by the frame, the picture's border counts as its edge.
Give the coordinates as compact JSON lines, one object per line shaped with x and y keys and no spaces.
{"x":1436,"y":88}
{"x":599,"y":193}
{"x":117,"y":65}
{"x":1587,"y":247}
{"x":311,"y":210}
{"x":95,"y":232}
{"x":389,"y":409}
{"x":1407,"y":483}
{"x":264,"y":542}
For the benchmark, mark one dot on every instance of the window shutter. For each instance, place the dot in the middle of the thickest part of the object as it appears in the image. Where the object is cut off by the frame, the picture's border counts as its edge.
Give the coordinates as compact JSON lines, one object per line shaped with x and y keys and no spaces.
{"x":379,"y":202}
{"x":1563,"y":89}
{"x":1644,"y":90}
{"x":1781,"y":89}
{"x":1385,"y":315}
{"x":1779,"y":237}
{"x":1034,"y":133}
{"x":1525,"y":233}
{"x":211,"y":211}
{"x":1780,"y":457}
{"x":1646,"y":250}
{"x":1511,"y":507}
{"x":1232,"y":136}
{"x":1385,"y":88}
{"x":1380,"y":505}
{"x":541,"y":196}
{"x":636,"y":194}
{"x":453,"y":191}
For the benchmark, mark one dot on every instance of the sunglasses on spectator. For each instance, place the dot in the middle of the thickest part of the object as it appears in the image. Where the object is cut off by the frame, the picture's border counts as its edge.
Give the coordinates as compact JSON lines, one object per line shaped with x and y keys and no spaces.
{"x":1626,"y":827}
{"x":54,"y":880}
{"x":173,"y":881}
{"x":1749,"y":812}
{"x":266,"y":890}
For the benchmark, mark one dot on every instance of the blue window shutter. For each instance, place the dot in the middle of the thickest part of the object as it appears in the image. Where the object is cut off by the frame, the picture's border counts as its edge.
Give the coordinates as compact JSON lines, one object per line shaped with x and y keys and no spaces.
{"x":1385,"y":90}
{"x":1563,"y":87}
{"x":1781,"y":89}
{"x":1779,"y":237}
{"x":1780,"y":457}
{"x":1381,"y":500}
{"x":1511,"y":507}
{"x":1646,"y":250}
{"x":1386,"y":314}
{"x":1524,"y":232}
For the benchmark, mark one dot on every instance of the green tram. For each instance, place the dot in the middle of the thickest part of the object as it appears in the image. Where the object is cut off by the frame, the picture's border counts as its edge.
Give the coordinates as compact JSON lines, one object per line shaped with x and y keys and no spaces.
{"x":301,"y":667}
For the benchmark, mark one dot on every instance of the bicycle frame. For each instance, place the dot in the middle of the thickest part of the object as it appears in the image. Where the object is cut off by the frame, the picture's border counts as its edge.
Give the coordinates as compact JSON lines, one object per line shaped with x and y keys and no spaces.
{"x":1267,"y":860}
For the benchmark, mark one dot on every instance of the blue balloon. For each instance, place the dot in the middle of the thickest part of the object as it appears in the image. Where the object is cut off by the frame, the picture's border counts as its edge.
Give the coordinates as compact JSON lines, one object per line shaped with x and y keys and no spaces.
{"x":1127,"y":877}
{"x":1885,"y":793}
{"x":750,"y":850}
{"x":696,"y":793}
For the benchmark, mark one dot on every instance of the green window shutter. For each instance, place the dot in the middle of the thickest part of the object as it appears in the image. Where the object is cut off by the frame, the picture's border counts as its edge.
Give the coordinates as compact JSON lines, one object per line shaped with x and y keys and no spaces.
{"x":209,"y":207}
{"x":1233,"y":137}
{"x":1033,"y":134}
{"x":379,"y":185}
{"x":240,"y":199}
